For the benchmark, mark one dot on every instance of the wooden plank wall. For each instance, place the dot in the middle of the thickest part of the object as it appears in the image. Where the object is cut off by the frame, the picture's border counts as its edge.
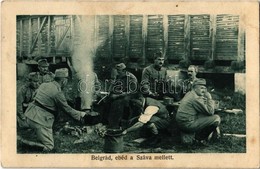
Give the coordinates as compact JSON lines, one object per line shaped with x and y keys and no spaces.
{"x":135,"y":38}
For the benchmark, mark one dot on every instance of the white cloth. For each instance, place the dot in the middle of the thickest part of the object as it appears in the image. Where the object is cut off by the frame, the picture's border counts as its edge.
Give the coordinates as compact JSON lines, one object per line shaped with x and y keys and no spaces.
{"x":148,"y":113}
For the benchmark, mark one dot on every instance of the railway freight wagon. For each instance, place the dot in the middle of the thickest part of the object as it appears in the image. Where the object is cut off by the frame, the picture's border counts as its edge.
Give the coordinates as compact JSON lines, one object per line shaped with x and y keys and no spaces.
{"x":216,"y":43}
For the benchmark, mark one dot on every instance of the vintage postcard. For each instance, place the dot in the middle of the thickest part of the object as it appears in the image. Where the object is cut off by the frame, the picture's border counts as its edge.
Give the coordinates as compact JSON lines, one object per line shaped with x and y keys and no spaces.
{"x":130,"y":84}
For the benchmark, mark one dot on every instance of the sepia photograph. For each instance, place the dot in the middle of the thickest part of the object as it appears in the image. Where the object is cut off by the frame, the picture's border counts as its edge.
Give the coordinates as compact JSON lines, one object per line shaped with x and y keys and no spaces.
{"x":132,"y":86}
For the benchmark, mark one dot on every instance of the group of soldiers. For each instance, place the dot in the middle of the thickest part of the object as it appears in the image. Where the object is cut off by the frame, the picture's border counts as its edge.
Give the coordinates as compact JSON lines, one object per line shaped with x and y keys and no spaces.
{"x":139,"y":103}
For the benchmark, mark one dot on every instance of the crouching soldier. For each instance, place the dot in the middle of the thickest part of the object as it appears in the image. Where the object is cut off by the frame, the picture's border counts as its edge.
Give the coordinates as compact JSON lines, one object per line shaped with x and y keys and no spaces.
{"x":41,"y":113}
{"x":195,"y":115}
{"x":154,"y":116}
{"x":25,"y":96}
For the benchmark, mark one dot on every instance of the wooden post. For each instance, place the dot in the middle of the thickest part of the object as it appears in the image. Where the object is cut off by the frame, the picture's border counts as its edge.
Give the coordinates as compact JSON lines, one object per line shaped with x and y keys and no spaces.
{"x":241,"y":40}
{"x":127,"y":34}
{"x":111,"y":32}
{"x":144,"y":36}
{"x":72,"y":34}
{"x":30,"y":37}
{"x":165,"y":35}
{"x":21,"y":38}
{"x":213,"y":28}
{"x":39,"y":36}
{"x":187,"y":37}
{"x":49,"y":36}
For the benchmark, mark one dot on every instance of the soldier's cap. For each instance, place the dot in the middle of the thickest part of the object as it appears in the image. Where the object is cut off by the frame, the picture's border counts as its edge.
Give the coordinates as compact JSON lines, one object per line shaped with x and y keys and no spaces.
{"x":33,"y":76}
{"x":157,"y":55}
{"x":199,"y":81}
{"x":43,"y":63}
{"x":62,"y":72}
{"x":120,"y":66}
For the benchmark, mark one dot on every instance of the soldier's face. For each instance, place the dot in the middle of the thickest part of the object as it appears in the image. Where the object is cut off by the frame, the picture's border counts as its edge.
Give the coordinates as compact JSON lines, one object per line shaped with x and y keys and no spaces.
{"x":159,"y":61}
{"x":120,"y":73}
{"x":200,"y":90}
{"x":43,"y":69}
{"x":191,"y":72}
{"x":35,"y":84}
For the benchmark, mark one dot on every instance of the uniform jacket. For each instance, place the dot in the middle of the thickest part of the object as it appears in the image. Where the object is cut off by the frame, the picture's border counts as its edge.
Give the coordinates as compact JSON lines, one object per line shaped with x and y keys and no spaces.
{"x":162,"y":112}
{"x":51,"y":97}
{"x":127,"y":83}
{"x":24,"y":96}
{"x":191,"y":107}
{"x":152,"y":79}
{"x":49,"y":77}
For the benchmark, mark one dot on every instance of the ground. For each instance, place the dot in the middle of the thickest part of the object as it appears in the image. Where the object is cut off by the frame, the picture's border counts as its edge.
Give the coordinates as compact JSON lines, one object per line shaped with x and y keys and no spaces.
{"x":91,"y":142}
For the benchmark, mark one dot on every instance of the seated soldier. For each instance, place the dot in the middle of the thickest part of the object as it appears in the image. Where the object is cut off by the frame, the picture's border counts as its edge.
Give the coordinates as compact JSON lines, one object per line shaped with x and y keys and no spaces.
{"x":195,"y":115}
{"x":44,"y":74}
{"x":155,"y":80}
{"x":25,"y":96}
{"x":121,"y":91}
{"x":153,"y":115}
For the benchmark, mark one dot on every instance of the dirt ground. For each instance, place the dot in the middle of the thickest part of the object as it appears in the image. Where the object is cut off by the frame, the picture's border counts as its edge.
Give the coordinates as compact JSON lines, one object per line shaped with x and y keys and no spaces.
{"x":169,"y":141}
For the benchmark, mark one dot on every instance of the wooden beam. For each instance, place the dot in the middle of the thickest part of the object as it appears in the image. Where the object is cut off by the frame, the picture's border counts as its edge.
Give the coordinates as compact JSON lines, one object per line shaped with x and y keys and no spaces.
{"x":165,"y":35}
{"x":213,"y":28}
{"x":21,"y":38}
{"x":72,"y":34}
{"x":111,"y":33}
{"x":49,"y":36}
{"x":30,"y":37}
{"x":144,"y":36}
{"x":187,"y":37}
{"x":241,"y":41}
{"x":38,"y":33}
{"x":39,"y":36}
{"x":63,"y":37}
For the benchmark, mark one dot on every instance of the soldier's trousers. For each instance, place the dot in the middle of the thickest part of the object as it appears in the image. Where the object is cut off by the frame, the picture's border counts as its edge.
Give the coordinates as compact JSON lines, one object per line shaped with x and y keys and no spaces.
{"x":200,"y":127}
{"x":44,"y":134}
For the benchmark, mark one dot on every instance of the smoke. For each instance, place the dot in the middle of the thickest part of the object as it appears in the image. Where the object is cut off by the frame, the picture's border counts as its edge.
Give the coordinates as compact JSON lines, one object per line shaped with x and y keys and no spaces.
{"x":84,"y":47}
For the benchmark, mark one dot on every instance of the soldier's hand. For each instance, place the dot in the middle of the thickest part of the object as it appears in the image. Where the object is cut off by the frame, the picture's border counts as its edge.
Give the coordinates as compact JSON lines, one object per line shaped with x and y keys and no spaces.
{"x":207,"y":95}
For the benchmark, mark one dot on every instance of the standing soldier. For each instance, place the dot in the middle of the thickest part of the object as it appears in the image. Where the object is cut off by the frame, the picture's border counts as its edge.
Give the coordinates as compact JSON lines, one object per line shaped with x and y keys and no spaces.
{"x":44,"y":74}
{"x":42,"y":112}
{"x":25,"y":96}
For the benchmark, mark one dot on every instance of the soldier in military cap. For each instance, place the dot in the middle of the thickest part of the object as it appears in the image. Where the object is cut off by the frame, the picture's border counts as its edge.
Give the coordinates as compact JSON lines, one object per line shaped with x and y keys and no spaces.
{"x":195,"y":115}
{"x":48,"y":100}
{"x":25,"y":96}
{"x":121,"y":91}
{"x":155,"y":79}
{"x":44,"y":74}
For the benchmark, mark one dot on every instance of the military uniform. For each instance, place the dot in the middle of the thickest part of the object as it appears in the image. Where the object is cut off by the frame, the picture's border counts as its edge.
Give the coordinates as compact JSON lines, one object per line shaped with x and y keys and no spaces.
{"x":127,"y":85}
{"x":41,"y":113}
{"x":25,"y":96}
{"x":196,"y":116}
{"x":154,"y":80}
{"x":161,"y":118}
{"x":48,"y":77}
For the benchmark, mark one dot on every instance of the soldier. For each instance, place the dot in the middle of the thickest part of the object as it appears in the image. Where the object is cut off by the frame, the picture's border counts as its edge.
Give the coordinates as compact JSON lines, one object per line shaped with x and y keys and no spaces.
{"x":25,"y":96}
{"x":155,"y":79}
{"x":195,"y":115}
{"x":121,"y":91}
{"x":41,"y":113}
{"x":154,"y":116}
{"x":44,"y":74}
